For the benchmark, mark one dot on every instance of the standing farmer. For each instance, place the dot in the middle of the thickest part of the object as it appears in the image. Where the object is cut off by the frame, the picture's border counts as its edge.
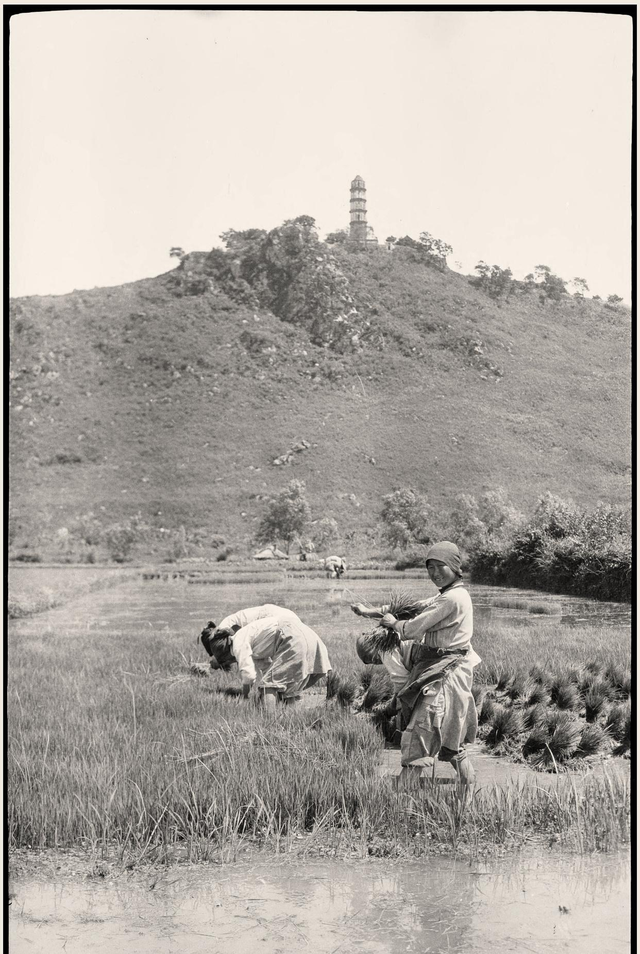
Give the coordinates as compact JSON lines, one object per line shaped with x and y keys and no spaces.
{"x":438,"y":712}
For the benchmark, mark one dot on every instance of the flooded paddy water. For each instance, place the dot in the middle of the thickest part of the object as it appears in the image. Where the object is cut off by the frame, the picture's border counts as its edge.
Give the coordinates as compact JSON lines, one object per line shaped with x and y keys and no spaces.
{"x":539,"y":903}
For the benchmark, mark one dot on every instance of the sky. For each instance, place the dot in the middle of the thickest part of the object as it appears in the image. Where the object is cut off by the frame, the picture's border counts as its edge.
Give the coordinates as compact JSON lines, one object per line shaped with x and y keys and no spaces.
{"x":507,"y":134}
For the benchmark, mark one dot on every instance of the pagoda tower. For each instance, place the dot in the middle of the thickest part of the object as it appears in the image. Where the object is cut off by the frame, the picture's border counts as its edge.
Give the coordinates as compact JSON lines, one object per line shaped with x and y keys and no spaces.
{"x":358,"y":212}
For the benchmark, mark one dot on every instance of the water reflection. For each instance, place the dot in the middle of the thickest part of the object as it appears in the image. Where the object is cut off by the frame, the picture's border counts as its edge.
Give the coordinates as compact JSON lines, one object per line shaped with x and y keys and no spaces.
{"x":540,"y":904}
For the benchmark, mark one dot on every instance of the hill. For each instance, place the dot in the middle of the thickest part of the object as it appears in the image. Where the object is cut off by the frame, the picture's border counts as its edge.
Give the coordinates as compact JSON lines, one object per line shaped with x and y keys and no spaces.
{"x":172,"y":396}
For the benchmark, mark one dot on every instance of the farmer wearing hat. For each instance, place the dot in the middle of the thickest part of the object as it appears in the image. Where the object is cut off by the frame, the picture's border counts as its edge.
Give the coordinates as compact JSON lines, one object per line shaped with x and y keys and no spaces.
{"x":282,"y":653}
{"x":437,"y":709}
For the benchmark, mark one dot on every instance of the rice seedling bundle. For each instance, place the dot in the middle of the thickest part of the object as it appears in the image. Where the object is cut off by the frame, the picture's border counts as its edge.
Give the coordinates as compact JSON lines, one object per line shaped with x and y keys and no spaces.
{"x":618,"y":722}
{"x":521,"y":686}
{"x":506,"y":724}
{"x":534,"y":716}
{"x":379,"y":690}
{"x":594,"y":739}
{"x":346,"y":693}
{"x":539,"y":675}
{"x":620,"y":681}
{"x":595,"y":699}
{"x":595,"y":667}
{"x":565,"y":694}
{"x":538,"y":695}
{"x":334,"y":680}
{"x":505,"y":680}
{"x":536,"y":741}
{"x":562,"y":742}
{"x":403,"y":605}
{"x":487,"y":710}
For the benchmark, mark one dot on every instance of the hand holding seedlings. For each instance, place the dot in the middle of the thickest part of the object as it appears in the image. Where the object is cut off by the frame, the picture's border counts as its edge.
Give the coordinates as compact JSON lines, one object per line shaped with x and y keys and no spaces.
{"x":388,"y":620}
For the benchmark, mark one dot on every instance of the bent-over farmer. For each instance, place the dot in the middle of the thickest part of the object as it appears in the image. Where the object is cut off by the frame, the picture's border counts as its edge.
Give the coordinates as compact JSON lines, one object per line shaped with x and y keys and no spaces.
{"x":438,"y":712}
{"x":334,"y":566}
{"x":285,"y":655}
{"x":236,"y":621}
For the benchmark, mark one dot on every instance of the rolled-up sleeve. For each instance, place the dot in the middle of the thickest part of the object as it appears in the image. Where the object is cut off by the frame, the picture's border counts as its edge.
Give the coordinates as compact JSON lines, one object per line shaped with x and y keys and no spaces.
{"x":244,"y":656}
{"x":417,"y":627}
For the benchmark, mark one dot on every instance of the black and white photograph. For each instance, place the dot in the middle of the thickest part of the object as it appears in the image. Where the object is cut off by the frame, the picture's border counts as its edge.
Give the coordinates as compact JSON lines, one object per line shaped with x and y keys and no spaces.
{"x":319,"y":434}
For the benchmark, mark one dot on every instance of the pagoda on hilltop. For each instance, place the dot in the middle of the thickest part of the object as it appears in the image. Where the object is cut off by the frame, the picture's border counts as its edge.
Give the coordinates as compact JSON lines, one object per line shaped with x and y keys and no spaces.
{"x":359,"y":232}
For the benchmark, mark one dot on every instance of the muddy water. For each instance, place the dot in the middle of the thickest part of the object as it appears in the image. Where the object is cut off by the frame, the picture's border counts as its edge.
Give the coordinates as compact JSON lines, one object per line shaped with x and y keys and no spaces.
{"x":176,"y":604}
{"x":539,"y":904}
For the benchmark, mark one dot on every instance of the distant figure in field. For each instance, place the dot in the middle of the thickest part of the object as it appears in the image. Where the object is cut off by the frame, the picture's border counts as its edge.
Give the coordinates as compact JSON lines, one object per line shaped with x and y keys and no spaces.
{"x":280,"y":652}
{"x":334,"y":566}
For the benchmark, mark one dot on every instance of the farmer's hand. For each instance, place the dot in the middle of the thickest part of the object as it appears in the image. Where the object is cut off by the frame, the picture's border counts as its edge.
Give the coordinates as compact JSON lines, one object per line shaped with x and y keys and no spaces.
{"x":388,"y":620}
{"x":359,"y":609}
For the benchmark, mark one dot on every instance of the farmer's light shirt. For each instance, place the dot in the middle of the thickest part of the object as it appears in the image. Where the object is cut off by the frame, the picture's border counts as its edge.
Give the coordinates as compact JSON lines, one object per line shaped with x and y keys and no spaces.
{"x":447,"y":623}
{"x":255,"y":643}
{"x":246,"y":616}
{"x":397,"y":662}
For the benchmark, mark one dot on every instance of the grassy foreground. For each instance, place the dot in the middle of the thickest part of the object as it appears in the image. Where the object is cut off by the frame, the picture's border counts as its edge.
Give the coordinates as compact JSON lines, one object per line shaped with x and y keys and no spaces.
{"x":113,"y":746}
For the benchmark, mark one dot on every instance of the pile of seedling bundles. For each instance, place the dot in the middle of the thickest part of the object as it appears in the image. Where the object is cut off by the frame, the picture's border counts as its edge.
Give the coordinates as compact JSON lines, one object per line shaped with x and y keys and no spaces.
{"x":550,"y":720}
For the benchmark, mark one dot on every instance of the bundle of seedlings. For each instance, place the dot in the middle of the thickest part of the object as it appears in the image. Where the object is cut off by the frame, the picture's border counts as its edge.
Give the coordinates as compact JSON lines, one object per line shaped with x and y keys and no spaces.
{"x":618,"y":723}
{"x":564,"y":732}
{"x":506,"y":727}
{"x":619,"y":679}
{"x":594,"y":740}
{"x":535,"y":716}
{"x":379,"y":691}
{"x":565,"y":693}
{"x":595,"y":697}
{"x":341,"y":688}
{"x":402,"y":605}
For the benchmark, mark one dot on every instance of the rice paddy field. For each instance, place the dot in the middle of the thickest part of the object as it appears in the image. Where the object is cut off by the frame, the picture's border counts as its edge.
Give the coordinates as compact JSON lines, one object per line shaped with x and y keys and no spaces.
{"x":115,"y":747}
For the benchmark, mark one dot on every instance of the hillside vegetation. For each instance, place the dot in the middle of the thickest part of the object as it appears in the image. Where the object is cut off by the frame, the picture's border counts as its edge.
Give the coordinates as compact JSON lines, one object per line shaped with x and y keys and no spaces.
{"x":360,"y":371}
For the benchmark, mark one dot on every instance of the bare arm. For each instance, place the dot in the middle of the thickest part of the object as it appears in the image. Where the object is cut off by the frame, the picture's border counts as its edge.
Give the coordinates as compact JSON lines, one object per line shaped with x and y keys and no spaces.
{"x":371,"y":612}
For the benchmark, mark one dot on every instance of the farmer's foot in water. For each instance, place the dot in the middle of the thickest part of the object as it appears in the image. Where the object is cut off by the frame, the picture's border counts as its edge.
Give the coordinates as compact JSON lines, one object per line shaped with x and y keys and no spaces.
{"x":466,"y":776}
{"x":269,"y":699}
